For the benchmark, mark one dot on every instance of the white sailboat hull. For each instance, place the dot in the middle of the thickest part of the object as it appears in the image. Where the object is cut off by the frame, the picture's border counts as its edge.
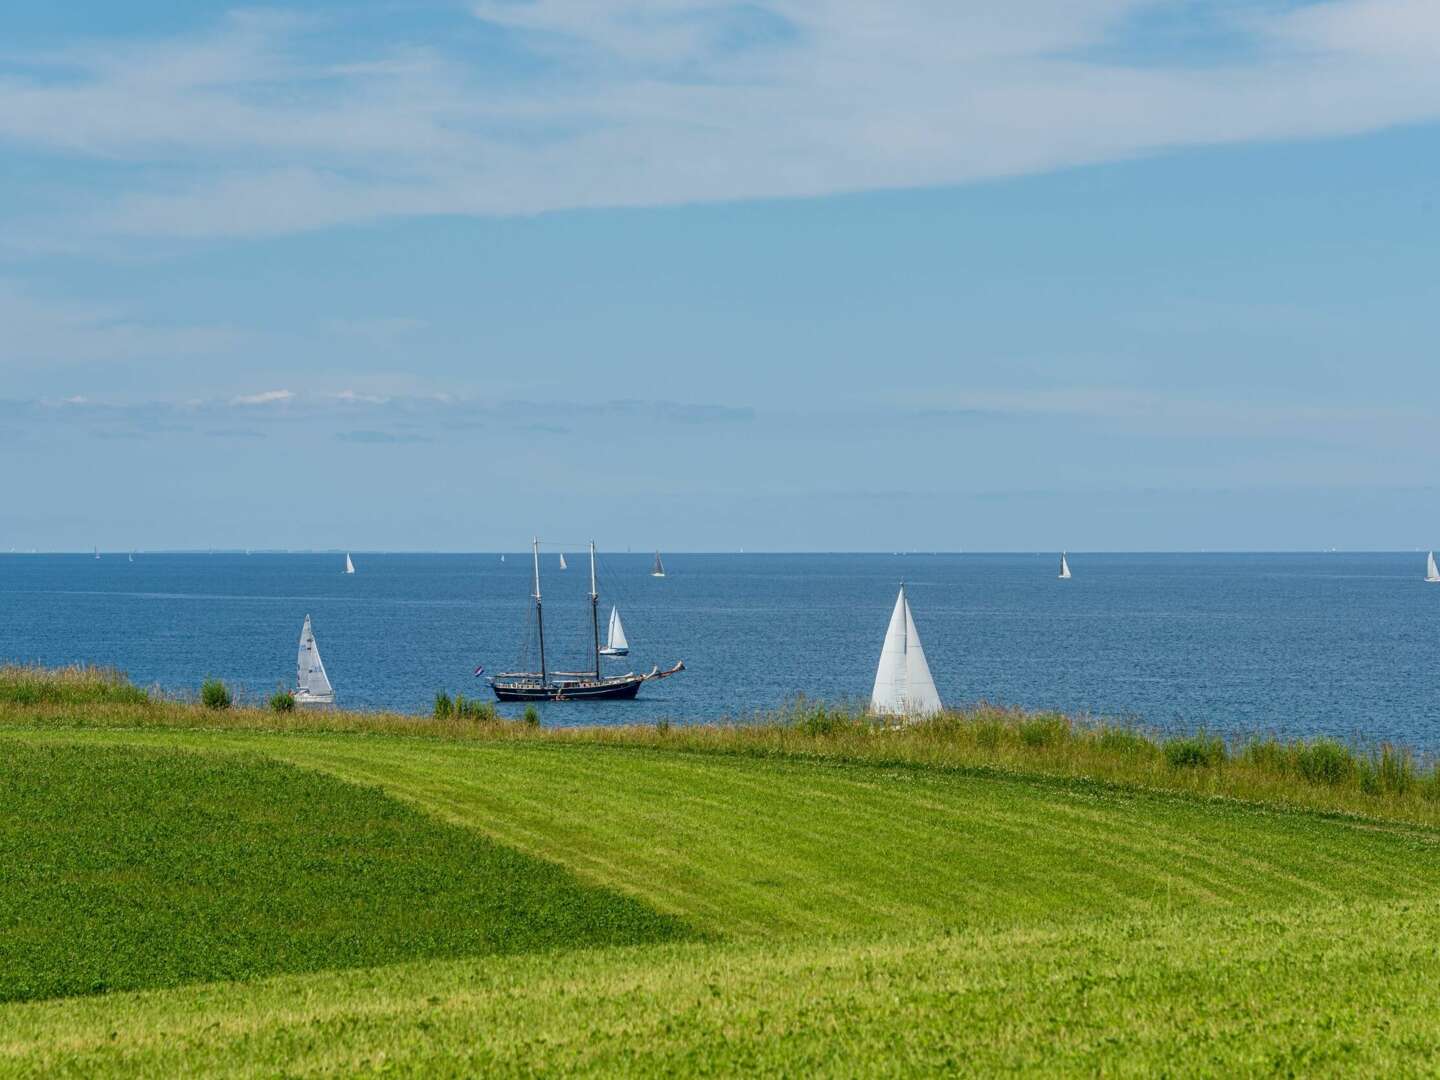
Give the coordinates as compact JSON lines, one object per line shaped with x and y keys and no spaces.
{"x":609,"y":651}
{"x":305,"y":697}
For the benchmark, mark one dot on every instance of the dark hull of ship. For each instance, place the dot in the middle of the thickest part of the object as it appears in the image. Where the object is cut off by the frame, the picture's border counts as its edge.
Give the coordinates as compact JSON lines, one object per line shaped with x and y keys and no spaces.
{"x":618,"y":688}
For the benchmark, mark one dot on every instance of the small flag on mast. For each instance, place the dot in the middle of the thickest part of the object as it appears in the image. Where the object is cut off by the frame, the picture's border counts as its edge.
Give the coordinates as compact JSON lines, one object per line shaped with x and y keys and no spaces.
{"x":480,"y":671}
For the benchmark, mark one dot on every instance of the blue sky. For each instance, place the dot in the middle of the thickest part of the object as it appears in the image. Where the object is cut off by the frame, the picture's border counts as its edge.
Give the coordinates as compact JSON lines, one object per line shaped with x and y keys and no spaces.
{"x":1106,"y":274}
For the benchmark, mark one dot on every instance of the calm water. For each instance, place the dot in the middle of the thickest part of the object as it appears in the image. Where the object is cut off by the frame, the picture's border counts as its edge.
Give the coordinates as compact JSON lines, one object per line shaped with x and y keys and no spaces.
{"x":1294,"y":644}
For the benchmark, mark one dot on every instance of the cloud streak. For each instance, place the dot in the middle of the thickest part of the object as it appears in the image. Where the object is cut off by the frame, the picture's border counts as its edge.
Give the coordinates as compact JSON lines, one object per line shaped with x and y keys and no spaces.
{"x":258,"y":127}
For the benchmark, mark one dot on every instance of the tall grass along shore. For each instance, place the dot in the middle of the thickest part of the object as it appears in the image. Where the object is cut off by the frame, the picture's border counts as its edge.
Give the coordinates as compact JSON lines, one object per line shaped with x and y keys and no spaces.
{"x":1320,"y":774}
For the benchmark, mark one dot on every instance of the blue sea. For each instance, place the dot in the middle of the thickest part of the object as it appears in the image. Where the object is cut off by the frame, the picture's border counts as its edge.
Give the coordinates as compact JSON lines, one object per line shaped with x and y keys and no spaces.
{"x":1294,"y":644}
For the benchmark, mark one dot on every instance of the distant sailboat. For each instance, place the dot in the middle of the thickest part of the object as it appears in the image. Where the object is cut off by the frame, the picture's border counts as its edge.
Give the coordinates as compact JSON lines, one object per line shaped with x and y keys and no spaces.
{"x":1432,"y":572}
{"x":502,"y":558}
{"x":97,"y":553}
{"x":1064,"y":568}
{"x":562,"y":562}
{"x":615,"y":641}
{"x":659,"y":570}
{"x":132,"y":556}
{"x":312,"y":684}
{"x":903,"y":686}
{"x":349,"y":566}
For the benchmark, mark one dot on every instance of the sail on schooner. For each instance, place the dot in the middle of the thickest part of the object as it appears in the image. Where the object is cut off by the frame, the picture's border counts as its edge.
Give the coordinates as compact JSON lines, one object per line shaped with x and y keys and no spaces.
{"x":547,"y":685}
{"x":615,"y":642}
{"x":659,"y":570}
{"x":349,"y":566}
{"x":1432,"y":572}
{"x":903,"y":686}
{"x":1064,"y":568}
{"x":312,"y":684}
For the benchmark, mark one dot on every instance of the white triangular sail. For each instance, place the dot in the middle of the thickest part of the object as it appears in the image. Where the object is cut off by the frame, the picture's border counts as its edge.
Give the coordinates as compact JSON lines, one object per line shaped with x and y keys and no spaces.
{"x":903,"y":684}
{"x":615,"y":641}
{"x":562,"y":562}
{"x":349,"y":566}
{"x":311,"y":681}
{"x":659,"y":570}
{"x":1432,"y":572}
{"x":1064,"y":567}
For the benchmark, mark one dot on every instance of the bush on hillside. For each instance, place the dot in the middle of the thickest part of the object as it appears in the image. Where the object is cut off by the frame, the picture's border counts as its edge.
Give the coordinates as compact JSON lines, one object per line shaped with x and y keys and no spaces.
{"x":215,"y":695}
{"x":459,"y":707}
{"x":531,"y":716}
{"x":282,"y":701}
{"x":1195,"y":752}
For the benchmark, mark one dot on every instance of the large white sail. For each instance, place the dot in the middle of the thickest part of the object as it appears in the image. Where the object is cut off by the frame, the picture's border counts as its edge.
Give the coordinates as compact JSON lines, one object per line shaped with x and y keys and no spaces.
{"x":1432,"y":572}
{"x":659,"y":570}
{"x":903,"y":684}
{"x":349,"y":566}
{"x":311,"y":681}
{"x":1064,"y":567}
{"x":562,"y":562}
{"x":615,"y":641}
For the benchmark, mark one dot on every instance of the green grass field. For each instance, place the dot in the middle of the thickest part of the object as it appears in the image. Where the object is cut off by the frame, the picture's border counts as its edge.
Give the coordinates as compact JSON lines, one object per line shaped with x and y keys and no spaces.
{"x":299,"y":902}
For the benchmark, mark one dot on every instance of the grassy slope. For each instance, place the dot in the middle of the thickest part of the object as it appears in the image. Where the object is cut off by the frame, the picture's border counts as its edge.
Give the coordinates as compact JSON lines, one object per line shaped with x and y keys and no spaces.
{"x":124,"y":868}
{"x":752,"y":846}
{"x":1048,"y":923}
{"x":1304,"y":994}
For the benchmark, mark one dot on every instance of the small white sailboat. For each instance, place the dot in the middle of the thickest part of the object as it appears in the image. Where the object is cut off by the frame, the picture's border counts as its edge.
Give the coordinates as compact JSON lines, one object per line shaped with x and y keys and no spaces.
{"x":349,"y":566}
{"x":615,"y":641}
{"x":562,"y":562}
{"x":502,"y":558}
{"x":97,"y":553}
{"x":1432,"y":572}
{"x":312,"y":684}
{"x":903,"y":685}
{"x":1064,"y":567}
{"x":659,"y":569}
{"x":132,"y":556}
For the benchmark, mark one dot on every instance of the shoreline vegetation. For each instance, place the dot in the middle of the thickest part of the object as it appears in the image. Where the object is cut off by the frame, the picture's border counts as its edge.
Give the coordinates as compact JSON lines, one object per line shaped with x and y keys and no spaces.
{"x":1325,"y":775}
{"x":232,"y":889}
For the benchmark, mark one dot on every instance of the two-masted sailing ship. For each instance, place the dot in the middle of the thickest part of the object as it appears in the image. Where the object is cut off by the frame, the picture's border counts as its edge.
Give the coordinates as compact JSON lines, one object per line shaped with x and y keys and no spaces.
{"x":592,"y":685}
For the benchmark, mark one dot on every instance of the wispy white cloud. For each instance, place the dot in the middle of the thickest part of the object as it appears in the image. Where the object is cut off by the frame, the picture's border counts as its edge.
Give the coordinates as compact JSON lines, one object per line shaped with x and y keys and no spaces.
{"x":265,"y":397}
{"x":647,"y":102}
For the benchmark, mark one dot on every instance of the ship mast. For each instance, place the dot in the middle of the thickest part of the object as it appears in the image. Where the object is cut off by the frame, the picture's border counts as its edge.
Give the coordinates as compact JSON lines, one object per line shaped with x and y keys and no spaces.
{"x":595,"y":610}
{"x":539,"y":618}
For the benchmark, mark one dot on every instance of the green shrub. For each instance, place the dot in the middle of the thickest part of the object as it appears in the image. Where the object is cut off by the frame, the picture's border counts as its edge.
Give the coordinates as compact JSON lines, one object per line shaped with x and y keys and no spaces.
{"x":1325,"y":761}
{"x":989,"y":733}
{"x":662,"y":726}
{"x":817,"y":718}
{"x":531,"y":716}
{"x":1195,"y":752}
{"x":215,"y":695}
{"x":282,"y":701}
{"x":443,"y":705}
{"x":1044,"y":730}
{"x":474,"y":710}
{"x":1126,"y":742}
{"x":1391,"y":772}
